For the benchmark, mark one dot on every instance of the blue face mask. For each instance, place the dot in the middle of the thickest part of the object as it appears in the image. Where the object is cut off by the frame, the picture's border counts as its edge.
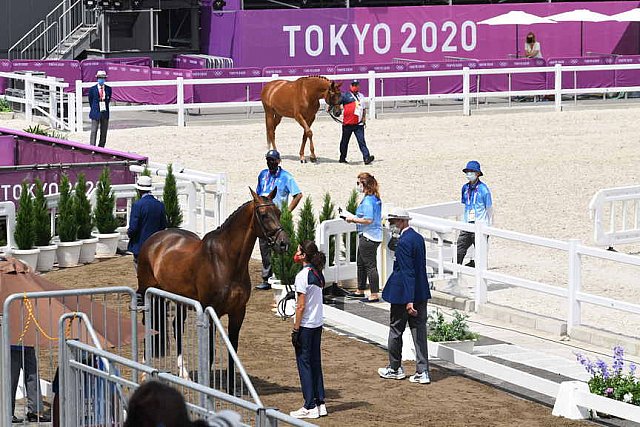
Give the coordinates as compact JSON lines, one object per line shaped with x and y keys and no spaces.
{"x":101,"y":81}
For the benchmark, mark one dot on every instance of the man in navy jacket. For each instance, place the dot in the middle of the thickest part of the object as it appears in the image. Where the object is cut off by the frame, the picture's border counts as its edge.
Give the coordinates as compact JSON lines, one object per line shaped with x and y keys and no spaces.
{"x":407,"y":290}
{"x":147,"y":216}
{"x":99,"y":99}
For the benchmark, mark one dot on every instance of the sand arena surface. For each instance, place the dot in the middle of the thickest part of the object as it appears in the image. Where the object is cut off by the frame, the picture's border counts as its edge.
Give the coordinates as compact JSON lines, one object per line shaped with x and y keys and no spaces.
{"x":542,"y":169}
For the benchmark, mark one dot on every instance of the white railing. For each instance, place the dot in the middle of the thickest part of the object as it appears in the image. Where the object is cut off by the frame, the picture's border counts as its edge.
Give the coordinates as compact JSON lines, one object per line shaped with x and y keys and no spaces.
{"x":573,"y":295}
{"x":466,"y":74}
{"x":47,"y":97}
{"x":8,"y":212}
{"x":619,"y":208}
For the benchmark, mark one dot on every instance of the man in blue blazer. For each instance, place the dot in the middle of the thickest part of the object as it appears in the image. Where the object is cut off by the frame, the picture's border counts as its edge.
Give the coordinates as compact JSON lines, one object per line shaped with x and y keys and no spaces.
{"x":147,"y":216}
{"x":407,"y":290}
{"x":99,"y":99}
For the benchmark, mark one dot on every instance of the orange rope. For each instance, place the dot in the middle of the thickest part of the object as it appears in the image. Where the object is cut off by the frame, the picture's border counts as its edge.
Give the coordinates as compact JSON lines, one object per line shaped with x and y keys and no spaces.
{"x":31,"y":316}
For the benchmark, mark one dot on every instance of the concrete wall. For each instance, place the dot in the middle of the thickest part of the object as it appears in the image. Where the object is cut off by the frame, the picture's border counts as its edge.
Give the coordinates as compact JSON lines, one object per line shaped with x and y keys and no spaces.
{"x":18,"y":16}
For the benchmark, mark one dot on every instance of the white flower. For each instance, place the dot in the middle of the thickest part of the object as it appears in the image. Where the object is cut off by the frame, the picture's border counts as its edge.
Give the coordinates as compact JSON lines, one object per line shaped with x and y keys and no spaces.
{"x":627,"y":397}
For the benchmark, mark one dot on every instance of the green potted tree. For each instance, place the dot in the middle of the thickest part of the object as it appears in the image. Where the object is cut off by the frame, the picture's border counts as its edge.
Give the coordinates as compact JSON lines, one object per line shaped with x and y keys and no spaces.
{"x":42,"y":229}
{"x":327,"y":213}
{"x":6,"y":112}
{"x":69,"y":247}
{"x":454,"y":334}
{"x":84,"y":219}
{"x":170,"y":200}
{"x":24,"y":234}
{"x":307,"y":223}
{"x":106,"y":221}
{"x":284,"y":268}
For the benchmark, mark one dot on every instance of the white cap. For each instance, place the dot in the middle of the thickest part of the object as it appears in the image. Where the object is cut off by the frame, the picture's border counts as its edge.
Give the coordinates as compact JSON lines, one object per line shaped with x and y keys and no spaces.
{"x":144,"y":183}
{"x":101,"y":73}
{"x":398,"y":213}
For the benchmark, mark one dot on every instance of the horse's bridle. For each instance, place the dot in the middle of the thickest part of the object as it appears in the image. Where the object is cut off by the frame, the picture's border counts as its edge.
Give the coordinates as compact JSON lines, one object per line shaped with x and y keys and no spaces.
{"x":270,"y":237}
{"x":330,"y":107}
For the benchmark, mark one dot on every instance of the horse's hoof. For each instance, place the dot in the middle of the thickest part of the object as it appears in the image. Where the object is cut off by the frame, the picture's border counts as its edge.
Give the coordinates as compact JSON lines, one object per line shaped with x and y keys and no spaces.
{"x":303,"y":160}
{"x":313,"y":159}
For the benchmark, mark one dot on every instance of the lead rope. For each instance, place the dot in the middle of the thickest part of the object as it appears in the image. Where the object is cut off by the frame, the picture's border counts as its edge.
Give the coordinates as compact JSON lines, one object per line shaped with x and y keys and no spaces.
{"x":290,"y":295}
{"x":31,"y":316}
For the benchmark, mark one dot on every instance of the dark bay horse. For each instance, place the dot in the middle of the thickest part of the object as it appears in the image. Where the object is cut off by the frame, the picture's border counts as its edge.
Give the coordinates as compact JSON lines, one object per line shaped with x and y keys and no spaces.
{"x":213,"y":270}
{"x":300,"y":100}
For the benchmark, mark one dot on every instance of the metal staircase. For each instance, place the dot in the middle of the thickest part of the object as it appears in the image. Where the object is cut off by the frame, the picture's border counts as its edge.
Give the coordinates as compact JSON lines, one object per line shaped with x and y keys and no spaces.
{"x":63,"y":34}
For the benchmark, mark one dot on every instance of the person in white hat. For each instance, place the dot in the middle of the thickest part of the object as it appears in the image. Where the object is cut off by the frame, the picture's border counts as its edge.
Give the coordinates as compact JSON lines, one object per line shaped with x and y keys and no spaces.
{"x":407,"y":290}
{"x":99,"y":99}
{"x":148,"y":216}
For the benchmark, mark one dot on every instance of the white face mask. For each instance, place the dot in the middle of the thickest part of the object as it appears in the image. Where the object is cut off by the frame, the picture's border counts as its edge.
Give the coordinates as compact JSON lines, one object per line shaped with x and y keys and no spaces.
{"x":471,"y":176}
{"x":360,"y":188}
{"x":395,"y":230}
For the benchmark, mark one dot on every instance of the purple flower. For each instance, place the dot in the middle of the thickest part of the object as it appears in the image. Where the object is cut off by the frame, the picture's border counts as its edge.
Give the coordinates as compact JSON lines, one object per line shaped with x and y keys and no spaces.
{"x":603,"y":368}
{"x":609,"y":390}
{"x":618,"y":359}
{"x":632,"y":368}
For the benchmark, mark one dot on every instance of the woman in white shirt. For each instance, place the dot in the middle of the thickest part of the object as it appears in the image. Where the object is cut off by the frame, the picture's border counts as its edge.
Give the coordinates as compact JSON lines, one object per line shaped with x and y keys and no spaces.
{"x":307,"y":329}
{"x":532,"y":47}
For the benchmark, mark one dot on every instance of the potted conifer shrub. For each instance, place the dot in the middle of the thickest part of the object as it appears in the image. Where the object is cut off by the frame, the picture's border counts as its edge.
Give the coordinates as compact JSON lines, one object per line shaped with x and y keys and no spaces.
{"x":24,"y":234}
{"x":69,"y":247}
{"x":106,"y":221}
{"x":283,"y":266}
{"x":327,"y":213}
{"x":84,"y":219}
{"x":42,"y":229}
{"x":454,"y":334}
{"x":170,"y":200}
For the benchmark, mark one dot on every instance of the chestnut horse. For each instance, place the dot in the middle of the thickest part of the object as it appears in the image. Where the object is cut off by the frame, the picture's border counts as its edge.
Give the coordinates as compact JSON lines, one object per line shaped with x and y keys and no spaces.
{"x":299,"y":99}
{"x":213,"y":270}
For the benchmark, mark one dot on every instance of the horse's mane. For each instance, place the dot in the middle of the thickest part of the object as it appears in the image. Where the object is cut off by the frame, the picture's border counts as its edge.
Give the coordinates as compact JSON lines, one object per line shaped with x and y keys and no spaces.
{"x":317,"y":77}
{"x":226,"y":223}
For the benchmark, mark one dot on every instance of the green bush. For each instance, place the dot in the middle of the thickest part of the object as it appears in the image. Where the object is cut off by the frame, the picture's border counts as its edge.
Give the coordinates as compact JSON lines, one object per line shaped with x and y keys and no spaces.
{"x":352,"y":205}
{"x":5,"y":107}
{"x":456,"y":330}
{"x":613,"y":382}
{"x":44,"y":131}
{"x":67,"y":227}
{"x":170,"y":199}
{"x":327,"y":213}
{"x":84,"y":217}
{"x":307,"y":223}
{"x":41,"y":217}
{"x":106,"y":221}
{"x":24,"y":234}
{"x":282,"y":263}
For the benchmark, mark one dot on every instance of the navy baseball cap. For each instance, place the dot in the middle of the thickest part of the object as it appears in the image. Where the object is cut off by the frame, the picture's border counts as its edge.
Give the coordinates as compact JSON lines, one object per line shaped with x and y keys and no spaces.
{"x":272,"y":154}
{"x":355,"y":82}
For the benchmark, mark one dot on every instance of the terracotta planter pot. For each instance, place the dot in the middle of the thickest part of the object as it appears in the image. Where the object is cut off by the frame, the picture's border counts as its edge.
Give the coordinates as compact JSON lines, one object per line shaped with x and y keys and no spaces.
{"x":28,"y":256}
{"x":68,"y":253}
{"x":107,"y":245}
{"x":46,"y":258}
{"x":88,"y":250}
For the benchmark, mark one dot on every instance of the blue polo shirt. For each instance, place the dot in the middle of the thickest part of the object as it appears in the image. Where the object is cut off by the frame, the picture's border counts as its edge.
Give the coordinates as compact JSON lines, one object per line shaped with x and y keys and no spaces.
{"x":283,"y":180}
{"x":476,"y":199}
{"x":370,"y":208}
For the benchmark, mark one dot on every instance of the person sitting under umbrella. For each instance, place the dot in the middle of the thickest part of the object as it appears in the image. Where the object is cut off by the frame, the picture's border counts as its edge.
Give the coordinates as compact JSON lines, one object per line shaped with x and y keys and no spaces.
{"x":532,"y":47}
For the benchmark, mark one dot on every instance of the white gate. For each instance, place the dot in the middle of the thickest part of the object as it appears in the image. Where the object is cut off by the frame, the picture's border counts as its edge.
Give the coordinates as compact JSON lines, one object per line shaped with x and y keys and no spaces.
{"x":616,"y":216}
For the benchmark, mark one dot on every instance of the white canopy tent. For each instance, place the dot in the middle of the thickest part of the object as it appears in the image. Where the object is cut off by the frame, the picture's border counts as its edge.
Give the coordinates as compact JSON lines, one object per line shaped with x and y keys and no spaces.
{"x":516,"y":17}
{"x":582,"y":16}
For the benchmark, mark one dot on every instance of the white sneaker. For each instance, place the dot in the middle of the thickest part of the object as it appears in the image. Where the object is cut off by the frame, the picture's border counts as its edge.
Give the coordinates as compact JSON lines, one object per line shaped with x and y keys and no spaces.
{"x":422,"y":378}
{"x":392,"y":374}
{"x":322,"y":410}
{"x":305,"y":413}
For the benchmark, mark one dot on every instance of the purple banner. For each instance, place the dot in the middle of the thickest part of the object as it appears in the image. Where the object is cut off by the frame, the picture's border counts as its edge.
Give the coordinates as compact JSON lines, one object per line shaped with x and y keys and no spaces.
{"x":583,"y":79}
{"x":231,"y":92}
{"x":189,"y":62}
{"x":500,"y":82}
{"x":91,"y":66}
{"x":390,"y":87}
{"x":424,"y":33}
{"x":69,"y":71}
{"x":28,"y":149}
{"x":125,"y":73}
{"x":628,"y":77}
{"x":442,"y":84}
{"x":5,"y":67}
{"x":159,"y":95}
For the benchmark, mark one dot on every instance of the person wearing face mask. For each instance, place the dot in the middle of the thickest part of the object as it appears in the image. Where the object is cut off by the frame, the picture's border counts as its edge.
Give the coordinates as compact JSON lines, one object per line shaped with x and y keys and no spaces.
{"x":368,"y":219}
{"x":407,"y":290}
{"x":307,"y":329}
{"x":353,"y":121}
{"x":275,"y":177}
{"x":478,"y":206}
{"x":99,"y":99}
{"x":532,"y":47}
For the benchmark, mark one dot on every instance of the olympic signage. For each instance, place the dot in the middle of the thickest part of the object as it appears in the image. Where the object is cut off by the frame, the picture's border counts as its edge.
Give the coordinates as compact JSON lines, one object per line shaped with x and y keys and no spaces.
{"x":427,"y":33}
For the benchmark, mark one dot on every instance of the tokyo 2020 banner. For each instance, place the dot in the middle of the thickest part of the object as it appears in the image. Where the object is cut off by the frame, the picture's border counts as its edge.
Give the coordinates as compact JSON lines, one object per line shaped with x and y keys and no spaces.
{"x":427,"y":33}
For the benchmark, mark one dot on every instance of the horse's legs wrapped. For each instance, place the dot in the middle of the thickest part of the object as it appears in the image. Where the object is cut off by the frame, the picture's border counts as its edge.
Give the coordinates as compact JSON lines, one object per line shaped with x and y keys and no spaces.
{"x":159,"y":324}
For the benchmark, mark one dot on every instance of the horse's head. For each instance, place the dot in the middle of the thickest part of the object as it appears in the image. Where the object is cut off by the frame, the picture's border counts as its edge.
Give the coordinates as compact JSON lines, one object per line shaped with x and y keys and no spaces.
{"x":266,"y":220}
{"x":333,"y":98}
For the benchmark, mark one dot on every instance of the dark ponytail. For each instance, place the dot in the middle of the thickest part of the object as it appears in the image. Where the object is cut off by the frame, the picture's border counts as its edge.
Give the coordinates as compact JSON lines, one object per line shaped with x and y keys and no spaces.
{"x":313,"y":255}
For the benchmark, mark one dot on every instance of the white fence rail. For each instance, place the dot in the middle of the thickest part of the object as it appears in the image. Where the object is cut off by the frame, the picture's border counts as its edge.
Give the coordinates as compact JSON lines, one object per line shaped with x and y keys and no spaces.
{"x":573,"y":294}
{"x":619,"y":208}
{"x":45,"y":96}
